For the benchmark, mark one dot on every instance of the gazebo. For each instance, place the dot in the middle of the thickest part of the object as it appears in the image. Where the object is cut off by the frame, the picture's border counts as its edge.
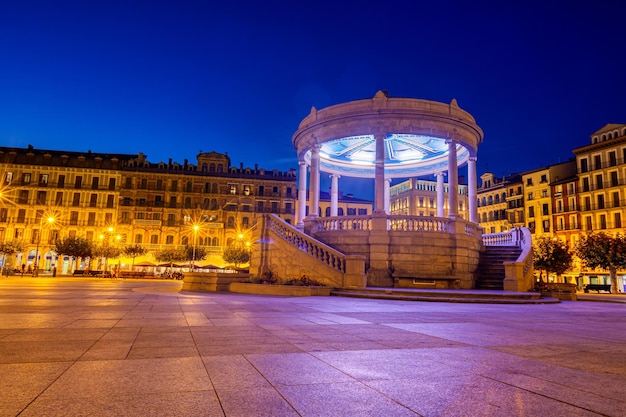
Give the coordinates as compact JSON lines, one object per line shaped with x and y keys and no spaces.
{"x":385,"y":138}
{"x":381,"y":138}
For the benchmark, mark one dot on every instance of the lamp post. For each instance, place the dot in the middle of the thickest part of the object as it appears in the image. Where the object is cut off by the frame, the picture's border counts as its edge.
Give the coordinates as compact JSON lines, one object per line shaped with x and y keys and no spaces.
{"x":193,"y":251}
{"x":50,"y":220}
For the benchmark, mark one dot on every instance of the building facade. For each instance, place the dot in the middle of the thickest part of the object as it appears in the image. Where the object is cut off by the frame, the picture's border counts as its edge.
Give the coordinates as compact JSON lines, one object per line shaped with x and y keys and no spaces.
{"x":124,"y":199}
{"x":418,"y":197}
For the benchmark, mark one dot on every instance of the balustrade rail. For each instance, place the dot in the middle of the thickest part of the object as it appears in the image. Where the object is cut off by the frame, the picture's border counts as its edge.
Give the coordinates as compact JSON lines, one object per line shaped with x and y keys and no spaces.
{"x":418,"y":224}
{"x":322,"y":253}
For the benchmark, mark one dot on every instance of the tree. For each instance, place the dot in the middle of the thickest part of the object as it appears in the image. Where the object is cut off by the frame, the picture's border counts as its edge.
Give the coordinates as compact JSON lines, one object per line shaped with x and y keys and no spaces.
{"x":75,"y":247}
{"x":134,"y":251}
{"x":236,"y":254}
{"x":9,"y":248}
{"x":605,"y":252}
{"x":194,"y":254}
{"x":170,"y":256}
{"x":551,"y":255}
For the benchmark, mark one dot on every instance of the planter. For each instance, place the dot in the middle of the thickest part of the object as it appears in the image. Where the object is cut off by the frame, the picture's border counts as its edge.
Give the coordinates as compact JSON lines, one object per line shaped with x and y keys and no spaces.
{"x":288,"y":290}
{"x":211,"y":281}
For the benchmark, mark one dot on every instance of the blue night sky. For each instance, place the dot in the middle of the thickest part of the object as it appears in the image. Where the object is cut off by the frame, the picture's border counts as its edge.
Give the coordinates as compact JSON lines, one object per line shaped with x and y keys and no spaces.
{"x":170,"y":79}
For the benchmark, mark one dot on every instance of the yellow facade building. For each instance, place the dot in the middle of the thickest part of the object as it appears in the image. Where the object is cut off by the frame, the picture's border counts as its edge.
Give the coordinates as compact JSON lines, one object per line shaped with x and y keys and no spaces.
{"x":123,"y":199}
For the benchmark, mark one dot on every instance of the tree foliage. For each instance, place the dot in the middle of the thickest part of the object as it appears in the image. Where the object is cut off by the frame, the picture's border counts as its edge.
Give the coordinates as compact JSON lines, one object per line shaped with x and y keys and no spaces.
{"x":10,"y":248}
{"x":170,"y":255}
{"x":236,"y":254}
{"x":598,"y":250}
{"x":551,"y":255}
{"x":76,"y":247}
{"x":134,"y":251}
{"x":198,"y":253}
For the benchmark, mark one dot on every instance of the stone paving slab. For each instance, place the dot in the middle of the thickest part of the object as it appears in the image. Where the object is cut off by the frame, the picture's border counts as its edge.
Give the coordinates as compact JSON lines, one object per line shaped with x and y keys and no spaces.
{"x":105,"y":347}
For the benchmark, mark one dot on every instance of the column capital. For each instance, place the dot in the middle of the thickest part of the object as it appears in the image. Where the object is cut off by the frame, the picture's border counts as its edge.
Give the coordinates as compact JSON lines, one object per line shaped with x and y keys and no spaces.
{"x":334,"y":176}
{"x":450,"y":140}
{"x":316,"y":147}
{"x":302,"y":162}
{"x":440,"y":174}
{"x":473,"y":158}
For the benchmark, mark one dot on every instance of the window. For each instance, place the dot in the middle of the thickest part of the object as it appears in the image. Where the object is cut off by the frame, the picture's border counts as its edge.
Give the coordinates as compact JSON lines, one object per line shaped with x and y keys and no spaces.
{"x":602,"y":221}
{"x":531,"y":211}
{"x":138,"y":239}
{"x":588,"y":223}
{"x":95,"y":182}
{"x":545,"y":209}
{"x":76,"y":200}
{"x":259,"y":206}
{"x":79,"y":182}
{"x":544,"y":179}
{"x":584,"y":165}
{"x":529,"y":181}
{"x":58,"y":201}
{"x":154,"y":239}
{"x":233,"y":188}
{"x":585,"y":184}
{"x":597,"y":162}
{"x":21,"y":216}
{"x":8,"y":177}
{"x":530,"y":196}
{"x":599,"y":184}
{"x":169,"y":240}
{"x":544,"y":193}
{"x":289,"y":191}
{"x":91,"y":219}
{"x":600,"y":201}
{"x":43,"y":180}
{"x":41,"y":197}
{"x":587,"y":203}
{"x":73,"y":218}
{"x":110,"y":200}
{"x":111,"y":184}
{"x":362,"y":212}
{"x":22,"y":197}
{"x":26,"y":178}
{"x":174,"y":186}
{"x":261,"y":190}
{"x":612,"y":159}
{"x":93,"y":200}
{"x":614,"y":181}
{"x":616,"y":199}
{"x":275,"y":208}
{"x":617,"y":220}
{"x":172,"y":202}
{"x":245,"y":222}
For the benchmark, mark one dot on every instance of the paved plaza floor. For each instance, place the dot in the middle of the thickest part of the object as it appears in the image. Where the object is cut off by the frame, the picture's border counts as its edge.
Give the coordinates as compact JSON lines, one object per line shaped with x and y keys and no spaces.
{"x":102,"y":347}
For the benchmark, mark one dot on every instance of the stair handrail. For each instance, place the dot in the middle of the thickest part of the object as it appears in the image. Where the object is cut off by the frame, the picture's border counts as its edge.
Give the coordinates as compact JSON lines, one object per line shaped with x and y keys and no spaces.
{"x":318,"y":250}
{"x":518,"y":273}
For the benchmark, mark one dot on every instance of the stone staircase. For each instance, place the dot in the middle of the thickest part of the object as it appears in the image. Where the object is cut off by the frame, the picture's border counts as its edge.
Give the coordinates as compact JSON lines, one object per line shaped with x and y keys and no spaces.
{"x":490,"y":273}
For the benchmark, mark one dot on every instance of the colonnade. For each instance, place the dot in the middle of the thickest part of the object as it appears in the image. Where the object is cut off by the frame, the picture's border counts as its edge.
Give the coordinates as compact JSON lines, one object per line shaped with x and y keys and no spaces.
{"x":382,"y":185}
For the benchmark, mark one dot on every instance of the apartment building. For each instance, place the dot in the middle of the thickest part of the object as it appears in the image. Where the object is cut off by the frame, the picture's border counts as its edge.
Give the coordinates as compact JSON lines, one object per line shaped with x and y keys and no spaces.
{"x":97,"y":195}
{"x":418,"y":197}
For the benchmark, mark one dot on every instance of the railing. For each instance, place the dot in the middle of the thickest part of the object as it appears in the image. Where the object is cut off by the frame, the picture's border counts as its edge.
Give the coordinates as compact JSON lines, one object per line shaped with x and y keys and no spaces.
{"x":418,"y":224}
{"x":342,"y":223}
{"x":322,"y":253}
{"x":519,"y":273}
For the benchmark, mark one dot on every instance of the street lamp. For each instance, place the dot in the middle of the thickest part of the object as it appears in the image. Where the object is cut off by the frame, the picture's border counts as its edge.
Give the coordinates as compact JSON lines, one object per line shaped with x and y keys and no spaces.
{"x":196,"y":227}
{"x":50,"y":220}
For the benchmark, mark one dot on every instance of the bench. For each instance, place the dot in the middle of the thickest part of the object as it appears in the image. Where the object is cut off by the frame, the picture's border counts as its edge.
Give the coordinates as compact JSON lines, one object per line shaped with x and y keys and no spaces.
{"x":597,"y":287}
{"x":78,"y":272}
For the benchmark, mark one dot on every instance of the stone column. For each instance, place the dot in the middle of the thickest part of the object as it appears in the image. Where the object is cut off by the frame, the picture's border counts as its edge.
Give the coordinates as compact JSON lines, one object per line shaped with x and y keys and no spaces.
{"x":387,"y":194}
{"x":301,"y":194}
{"x":453,"y":180}
{"x":472,"y":190}
{"x":314,"y":188}
{"x":334,"y":194}
{"x":440,"y":194}
{"x":379,"y":174}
